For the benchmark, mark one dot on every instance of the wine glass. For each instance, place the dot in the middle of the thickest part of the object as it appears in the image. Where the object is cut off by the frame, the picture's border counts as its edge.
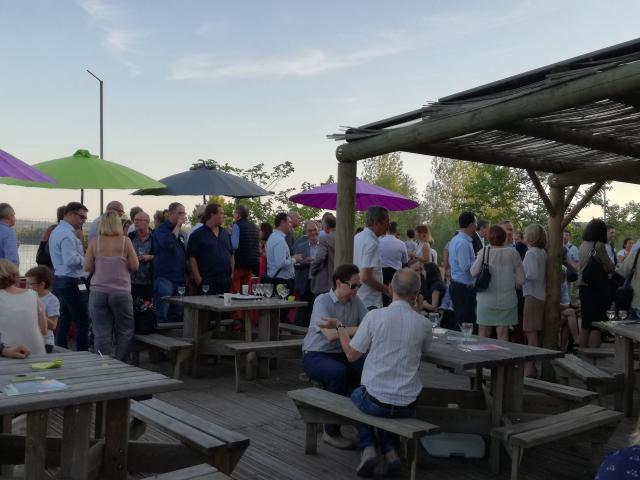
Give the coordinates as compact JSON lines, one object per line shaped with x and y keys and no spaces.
{"x":284,"y":293}
{"x":257,"y":289}
{"x":181,"y":291}
{"x":140,"y":251}
{"x":205,"y":288}
{"x":611,"y":314}
{"x":268,"y":290}
{"x":622,"y":314}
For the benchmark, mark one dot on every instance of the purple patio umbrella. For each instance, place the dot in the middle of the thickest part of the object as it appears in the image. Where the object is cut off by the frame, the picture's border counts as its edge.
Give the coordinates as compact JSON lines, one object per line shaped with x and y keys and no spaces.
{"x":11,"y":167}
{"x":367,"y":195}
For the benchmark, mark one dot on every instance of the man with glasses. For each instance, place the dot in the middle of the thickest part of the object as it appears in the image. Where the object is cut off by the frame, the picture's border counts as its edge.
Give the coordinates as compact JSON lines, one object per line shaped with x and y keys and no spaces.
{"x":114,"y":206}
{"x":169,"y":262}
{"x":67,"y":257}
{"x":141,"y":279}
{"x":324,"y":361}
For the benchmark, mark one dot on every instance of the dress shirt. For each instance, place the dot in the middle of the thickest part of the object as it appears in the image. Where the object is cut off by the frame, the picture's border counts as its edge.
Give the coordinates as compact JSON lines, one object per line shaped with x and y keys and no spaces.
{"x":395,"y":338}
{"x":212,"y":253}
{"x":235,"y":237}
{"x":327,"y":304}
{"x":366,"y":254}
{"x":393,"y":252}
{"x":67,"y":254}
{"x":279,"y":260}
{"x":461,"y":257}
{"x":9,"y":244}
{"x":313,"y":250}
{"x":572,"y":252}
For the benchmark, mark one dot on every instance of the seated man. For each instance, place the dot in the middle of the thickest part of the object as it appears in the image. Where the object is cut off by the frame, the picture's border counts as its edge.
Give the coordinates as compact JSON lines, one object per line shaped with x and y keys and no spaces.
{"x":323,"y":360}
{"x":395,"y":338}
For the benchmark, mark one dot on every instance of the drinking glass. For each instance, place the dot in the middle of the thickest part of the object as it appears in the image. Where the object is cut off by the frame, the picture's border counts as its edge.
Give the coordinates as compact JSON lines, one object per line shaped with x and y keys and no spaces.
{"x":622,"y":314}
{"x":257,"y":289}
{"x":140,"y":251}
{"x":268,"y":290}
{"x":284,"y":293}
{"x":205,"y":288}
{"x":181,"y":291}
{"x":434,"y":318}
{"x":611,"y":314}
{"x":466,"y":329}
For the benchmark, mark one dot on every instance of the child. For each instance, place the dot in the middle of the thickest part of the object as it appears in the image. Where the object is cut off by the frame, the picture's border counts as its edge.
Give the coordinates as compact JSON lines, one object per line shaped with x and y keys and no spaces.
{"x":40,"y":279}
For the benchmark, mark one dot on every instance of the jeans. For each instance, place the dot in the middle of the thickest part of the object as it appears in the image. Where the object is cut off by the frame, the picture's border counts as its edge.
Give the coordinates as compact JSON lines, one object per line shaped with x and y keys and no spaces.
{"x":163,"y":287}
{"x":335,"y":373}
{"x":73,"y":309}
{"x":112,"y":315}
{"x":463,"y":298}
{"x":367,"y":434}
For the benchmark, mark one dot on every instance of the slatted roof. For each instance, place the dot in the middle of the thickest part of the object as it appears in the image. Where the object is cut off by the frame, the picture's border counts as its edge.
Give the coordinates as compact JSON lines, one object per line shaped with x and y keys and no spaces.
{"x":578,"y":119}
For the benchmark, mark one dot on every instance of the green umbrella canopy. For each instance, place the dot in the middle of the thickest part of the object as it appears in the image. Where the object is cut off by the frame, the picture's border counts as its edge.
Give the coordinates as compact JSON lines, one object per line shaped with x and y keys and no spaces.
{"x":86,"y":171}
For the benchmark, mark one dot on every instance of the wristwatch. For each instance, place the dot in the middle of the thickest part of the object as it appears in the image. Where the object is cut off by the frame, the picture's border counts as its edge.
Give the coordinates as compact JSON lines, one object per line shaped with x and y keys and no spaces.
{"x":339,"y":326}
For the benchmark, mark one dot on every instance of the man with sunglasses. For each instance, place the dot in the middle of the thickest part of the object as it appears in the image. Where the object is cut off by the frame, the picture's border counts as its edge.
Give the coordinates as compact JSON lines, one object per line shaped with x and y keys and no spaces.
{"x":67,"y":257}
{"x":324,"y":361}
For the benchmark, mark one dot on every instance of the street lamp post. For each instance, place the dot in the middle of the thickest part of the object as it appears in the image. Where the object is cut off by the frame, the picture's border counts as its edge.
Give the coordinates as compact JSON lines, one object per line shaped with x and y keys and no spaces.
{"x":101,"y":133}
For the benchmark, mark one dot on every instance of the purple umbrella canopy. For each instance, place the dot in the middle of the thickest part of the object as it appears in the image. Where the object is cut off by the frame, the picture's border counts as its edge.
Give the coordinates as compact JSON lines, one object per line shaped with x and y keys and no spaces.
{"x":11,"y":167}
{"x":367,"y":195}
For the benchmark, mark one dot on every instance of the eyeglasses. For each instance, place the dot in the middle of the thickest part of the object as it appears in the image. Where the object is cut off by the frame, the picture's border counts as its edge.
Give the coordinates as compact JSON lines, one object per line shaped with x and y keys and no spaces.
{"x":84,"y":217}
{"x":353,"y":286}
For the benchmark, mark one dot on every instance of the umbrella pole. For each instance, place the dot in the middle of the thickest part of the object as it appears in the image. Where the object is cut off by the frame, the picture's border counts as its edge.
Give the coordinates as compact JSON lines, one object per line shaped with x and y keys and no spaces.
{"x":204,"y":199}
{"x":82,"y":196}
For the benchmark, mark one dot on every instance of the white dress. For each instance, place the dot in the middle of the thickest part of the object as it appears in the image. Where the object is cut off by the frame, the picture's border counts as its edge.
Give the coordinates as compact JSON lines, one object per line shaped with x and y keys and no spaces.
{"x":19,"y":320}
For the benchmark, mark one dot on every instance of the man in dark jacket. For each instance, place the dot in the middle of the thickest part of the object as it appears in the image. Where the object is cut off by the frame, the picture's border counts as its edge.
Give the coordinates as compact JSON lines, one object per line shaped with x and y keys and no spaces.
{"x":245,"y":241}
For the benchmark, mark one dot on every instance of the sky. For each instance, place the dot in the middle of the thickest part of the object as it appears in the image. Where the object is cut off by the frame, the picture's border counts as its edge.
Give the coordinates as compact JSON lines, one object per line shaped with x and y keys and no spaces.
{"x":250,"y":82}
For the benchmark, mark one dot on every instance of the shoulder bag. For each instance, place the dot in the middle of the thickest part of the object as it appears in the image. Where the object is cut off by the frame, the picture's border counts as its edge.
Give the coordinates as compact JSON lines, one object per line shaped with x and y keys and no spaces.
{"x":484,"y":277}
{"x":593,"y":273}
{"x":624,"y":294}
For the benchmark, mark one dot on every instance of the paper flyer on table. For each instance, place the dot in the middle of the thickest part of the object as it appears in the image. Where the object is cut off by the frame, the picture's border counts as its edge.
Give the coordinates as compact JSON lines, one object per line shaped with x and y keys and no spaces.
{"x":482,"y":347}
{"x":41,"y":386}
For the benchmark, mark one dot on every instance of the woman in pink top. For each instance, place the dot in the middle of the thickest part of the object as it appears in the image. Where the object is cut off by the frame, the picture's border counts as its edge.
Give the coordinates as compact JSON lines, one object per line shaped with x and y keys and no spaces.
{"x":111,"y":257}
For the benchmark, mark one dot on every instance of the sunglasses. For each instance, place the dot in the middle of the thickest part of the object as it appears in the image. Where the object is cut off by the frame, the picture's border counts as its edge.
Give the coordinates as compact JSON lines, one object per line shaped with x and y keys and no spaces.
{"x":353,"y":286}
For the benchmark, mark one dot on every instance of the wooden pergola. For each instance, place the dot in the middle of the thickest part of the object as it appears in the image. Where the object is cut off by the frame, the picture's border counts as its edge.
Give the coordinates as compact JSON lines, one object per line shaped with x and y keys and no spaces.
{"x":578,"y":119}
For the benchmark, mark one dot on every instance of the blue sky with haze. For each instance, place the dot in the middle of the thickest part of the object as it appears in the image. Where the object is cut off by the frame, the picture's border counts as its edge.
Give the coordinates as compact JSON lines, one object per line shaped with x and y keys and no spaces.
{"x":249,"y":82}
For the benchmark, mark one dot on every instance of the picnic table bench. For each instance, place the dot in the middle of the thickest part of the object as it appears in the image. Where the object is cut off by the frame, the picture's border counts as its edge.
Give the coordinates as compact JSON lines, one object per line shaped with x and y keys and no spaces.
{"x":318,"y":406}
{"x":592,"y":423}
{"x":294,"y":329}
{"x":178,"y":348}
{"x":242,"y":348}
{"x":197,"y":472}
{"x":205,"y":441}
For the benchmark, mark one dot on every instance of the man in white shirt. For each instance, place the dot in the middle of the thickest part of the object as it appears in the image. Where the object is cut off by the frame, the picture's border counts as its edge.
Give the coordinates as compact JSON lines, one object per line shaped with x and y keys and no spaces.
{"x":395,"y":338}
{"x":393,"y":256}
{"x":366,"y":255}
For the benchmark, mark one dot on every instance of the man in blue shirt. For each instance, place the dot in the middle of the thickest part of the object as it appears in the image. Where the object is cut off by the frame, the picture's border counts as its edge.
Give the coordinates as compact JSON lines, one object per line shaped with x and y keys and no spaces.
{"x":461,"y":257}
{"x":169,"y":262}
{"x":8,"y":238}
{"x":67,"y":257}
{"x":280,"y":262}
{"x":210,"y":254}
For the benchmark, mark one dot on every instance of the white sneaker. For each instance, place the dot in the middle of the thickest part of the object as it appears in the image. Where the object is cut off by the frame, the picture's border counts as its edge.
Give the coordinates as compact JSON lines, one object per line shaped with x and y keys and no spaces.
{"x":368,"y":462}
{"x":337,"y":441}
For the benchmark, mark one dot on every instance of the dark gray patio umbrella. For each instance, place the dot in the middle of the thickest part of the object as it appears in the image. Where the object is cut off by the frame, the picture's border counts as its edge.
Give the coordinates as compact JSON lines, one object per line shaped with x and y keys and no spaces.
{"x":206,"y":181}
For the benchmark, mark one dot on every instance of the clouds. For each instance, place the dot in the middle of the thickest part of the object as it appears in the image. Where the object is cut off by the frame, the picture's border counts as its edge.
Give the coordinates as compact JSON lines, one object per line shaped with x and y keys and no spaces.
{"x":120,"y":42}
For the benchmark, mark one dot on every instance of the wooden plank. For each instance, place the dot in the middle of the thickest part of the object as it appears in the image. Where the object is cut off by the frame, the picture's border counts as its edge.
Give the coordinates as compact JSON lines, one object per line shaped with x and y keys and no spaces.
{"x":189,"y":473}
{"x":216,"y":304}
{"x":629,"y":376}
{"x":265,"y":346}
{"x":345,"y":212}
{"x":161,"y":457}
{"x":35,"y":445}
{"x":75,"y":445}
{"x":581,"y":369}
{"x":290,"y":327}
{"x":163,"y":341}
{"x":116,"y":439}
{"x":560,"y":391}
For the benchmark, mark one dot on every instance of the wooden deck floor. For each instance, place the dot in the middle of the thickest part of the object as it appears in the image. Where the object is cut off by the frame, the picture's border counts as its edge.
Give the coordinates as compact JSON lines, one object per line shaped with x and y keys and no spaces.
{"x":265,"y":414}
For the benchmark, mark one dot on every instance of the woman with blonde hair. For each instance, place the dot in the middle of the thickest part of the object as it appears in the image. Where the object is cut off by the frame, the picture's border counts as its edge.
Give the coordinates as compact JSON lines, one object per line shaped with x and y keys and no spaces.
{"x":111,"y":257}
{"x":22,"y":320}
{"x":534,"y":288}
{"x":423,"y":251}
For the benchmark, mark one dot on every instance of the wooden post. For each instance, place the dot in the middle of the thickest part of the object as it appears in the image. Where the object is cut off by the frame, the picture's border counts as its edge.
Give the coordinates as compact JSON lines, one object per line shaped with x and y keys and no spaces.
{"x":554,"y":270}
{"x":345,"y":211}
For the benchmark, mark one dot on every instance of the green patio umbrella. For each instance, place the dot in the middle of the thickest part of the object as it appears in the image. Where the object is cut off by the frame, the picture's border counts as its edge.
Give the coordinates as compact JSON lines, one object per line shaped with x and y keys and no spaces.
{"x":86,"y":171}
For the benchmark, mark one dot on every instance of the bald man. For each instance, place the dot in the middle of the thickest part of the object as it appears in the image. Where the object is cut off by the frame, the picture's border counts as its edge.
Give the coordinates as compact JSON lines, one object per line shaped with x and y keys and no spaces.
{"x":114,"y":206}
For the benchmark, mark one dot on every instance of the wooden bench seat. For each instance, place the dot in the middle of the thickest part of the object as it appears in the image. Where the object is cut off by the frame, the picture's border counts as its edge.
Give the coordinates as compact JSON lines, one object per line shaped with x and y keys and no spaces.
{"x":242,"y":348}
{"x":213,"y":444}
{"x":178,"y":348}
{"x":197,"y":472}
{"x":291,"y":328}
{"x":180,"y":325}
{"x":318,"y":407}
{"x":592,"y":423}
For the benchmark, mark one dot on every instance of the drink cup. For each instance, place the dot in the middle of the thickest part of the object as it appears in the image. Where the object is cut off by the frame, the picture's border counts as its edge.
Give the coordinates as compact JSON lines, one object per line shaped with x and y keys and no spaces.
{"x":227,"y":298}
{"x":245,"y":289}
{"x":466,"y":329}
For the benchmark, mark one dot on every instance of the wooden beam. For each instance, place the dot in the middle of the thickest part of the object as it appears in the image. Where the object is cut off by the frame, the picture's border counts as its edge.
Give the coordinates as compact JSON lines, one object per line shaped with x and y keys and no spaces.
{"x":586,"y":198}
{"x":345,"y":211}
{"x":631,"y":99}
{"x":557,"y":133}
{"x":604,"y":84}
{"x":623,"y":171}
{"x":540,"y":189}
{"x":570,"y":195}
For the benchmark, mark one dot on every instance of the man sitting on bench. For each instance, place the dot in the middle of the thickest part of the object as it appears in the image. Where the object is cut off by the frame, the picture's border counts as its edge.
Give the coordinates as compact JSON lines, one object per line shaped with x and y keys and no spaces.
{"x":323,"y":360}
{"x":395,"y":338}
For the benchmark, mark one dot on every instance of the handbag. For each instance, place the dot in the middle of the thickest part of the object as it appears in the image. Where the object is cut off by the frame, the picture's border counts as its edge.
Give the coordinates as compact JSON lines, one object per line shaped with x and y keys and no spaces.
{"x":42,"y":255}
{"x":593,"y":273}
{"x":272,"y":280}
{"x":572,"y":274}
{"x":624,"y":294}
{"x":484,"y":277}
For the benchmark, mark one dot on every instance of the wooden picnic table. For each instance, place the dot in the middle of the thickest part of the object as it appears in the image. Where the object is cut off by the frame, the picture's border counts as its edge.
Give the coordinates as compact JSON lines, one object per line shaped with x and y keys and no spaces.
{"x":626,"y":334}
{"x":196,"y":324}
{"x":507,"y":370}
{"x":91,"y":380}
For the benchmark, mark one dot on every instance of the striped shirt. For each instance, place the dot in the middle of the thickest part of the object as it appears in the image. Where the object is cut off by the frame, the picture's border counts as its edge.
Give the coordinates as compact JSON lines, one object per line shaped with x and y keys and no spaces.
{"x":395,"y":337}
